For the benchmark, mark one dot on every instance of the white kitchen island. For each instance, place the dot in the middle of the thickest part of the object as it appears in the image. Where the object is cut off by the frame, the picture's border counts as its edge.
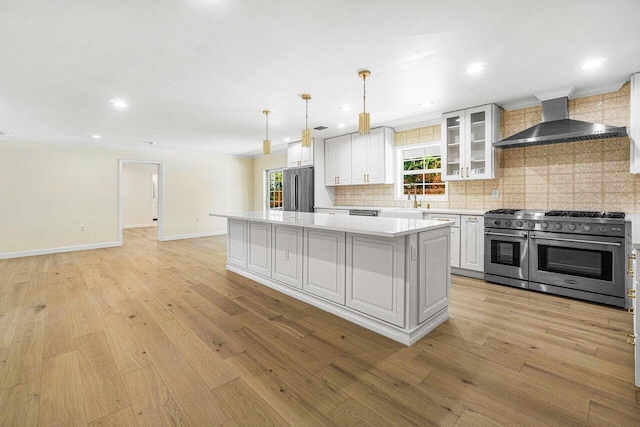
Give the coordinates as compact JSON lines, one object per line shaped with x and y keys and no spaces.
{"x":389,"y":275}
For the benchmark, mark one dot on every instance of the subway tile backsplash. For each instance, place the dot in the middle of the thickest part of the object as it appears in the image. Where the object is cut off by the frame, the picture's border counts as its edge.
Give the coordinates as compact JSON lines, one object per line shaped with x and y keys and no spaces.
{"x":587,"y":175}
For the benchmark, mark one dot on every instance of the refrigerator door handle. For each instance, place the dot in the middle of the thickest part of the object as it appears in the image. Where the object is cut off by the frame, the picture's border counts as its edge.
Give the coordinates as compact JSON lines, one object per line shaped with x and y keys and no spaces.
{"x":296,"y":193}
{"x":293,"y":193}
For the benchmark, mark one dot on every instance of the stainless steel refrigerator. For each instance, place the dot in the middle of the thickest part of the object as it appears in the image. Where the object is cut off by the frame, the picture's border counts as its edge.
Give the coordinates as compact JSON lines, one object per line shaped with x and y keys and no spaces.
{"x":297,"y":185}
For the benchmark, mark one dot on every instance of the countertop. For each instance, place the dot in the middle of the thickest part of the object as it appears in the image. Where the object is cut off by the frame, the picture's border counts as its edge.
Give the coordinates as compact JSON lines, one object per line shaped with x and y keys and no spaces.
{"x":425,"y":210}
{"x":374,"y":226}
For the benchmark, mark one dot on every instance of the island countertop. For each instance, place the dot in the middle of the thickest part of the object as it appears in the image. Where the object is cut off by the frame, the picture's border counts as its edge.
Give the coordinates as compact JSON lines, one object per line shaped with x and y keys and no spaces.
{"x":374,"y":226}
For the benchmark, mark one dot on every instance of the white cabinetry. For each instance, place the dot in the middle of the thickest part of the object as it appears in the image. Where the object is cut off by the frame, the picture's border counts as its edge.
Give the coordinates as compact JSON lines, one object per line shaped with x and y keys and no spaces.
{"x":297,"y":155}
{"x":375,"y":277}
{"x":634,"y":127}
{"x":467,"y":137}
{"x":472,"y":242}
{"x":360,"y":159}
{"x":633,"y":294}
{"x":287,"y":255}
{"x":237,"y":242}
{"x":332,"y":211}
{"x":337,"y":152}
{"x":455,"y":235}
{"x":324,"y":269}
{"x":259,"y":255}
{"x":372,"y":157}
{"x":433,"y":279}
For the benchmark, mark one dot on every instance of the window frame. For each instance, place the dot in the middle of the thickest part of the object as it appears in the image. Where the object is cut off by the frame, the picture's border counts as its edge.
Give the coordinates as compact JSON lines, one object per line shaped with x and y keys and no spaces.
{"x":267,"y":189}
{"x":399,"y":171}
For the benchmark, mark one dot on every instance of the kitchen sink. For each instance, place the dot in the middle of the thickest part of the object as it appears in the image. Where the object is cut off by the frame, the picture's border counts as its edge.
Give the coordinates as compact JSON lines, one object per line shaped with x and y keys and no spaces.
{"x":402,"y":213}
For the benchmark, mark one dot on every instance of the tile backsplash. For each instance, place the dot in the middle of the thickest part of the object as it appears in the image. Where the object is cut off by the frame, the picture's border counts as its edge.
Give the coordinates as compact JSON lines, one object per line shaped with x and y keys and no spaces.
{"x":586,"y":175}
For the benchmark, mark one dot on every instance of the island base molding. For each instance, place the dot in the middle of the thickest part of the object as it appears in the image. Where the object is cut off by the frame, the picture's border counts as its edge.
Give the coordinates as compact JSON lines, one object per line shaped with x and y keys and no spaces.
{"x":406,"y":337}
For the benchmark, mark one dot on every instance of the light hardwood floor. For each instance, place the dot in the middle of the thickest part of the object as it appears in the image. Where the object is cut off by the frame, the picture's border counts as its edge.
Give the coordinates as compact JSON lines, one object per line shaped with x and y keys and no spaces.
{"x":161,"y":334}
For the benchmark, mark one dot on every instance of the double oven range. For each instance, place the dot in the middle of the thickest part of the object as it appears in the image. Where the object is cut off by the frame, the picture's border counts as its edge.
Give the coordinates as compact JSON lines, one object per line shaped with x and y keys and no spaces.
{"x":571,"y":253}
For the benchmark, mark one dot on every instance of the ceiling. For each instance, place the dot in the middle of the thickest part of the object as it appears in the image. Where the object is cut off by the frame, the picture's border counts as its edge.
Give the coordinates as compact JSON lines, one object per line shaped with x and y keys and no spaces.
{"x":196,"y":74}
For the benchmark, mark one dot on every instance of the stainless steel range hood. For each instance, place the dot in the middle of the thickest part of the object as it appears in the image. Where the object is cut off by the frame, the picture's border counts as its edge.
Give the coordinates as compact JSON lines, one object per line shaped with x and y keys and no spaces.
{"x":557,"y":127}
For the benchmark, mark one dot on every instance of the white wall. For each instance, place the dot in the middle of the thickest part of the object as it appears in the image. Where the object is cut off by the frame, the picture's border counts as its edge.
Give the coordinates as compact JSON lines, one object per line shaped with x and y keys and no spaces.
{"x":47,"y":192}
{"x":136,"y":194}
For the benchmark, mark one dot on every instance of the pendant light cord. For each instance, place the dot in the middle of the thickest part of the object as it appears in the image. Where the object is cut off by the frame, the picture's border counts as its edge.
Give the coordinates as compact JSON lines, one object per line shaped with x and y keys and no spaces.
{"x":267,"y":114}
{"x":306,"y":117}
{"x":364,"y":93}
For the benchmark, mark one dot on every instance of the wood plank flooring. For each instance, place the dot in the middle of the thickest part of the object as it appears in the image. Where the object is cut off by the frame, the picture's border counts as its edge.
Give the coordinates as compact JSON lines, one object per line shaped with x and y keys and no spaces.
{"x":156,"y":334}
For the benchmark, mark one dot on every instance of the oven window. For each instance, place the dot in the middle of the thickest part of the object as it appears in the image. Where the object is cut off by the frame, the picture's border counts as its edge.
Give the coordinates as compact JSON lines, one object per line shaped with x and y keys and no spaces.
{"x":505,"y":253}
{"x":576,"y":262}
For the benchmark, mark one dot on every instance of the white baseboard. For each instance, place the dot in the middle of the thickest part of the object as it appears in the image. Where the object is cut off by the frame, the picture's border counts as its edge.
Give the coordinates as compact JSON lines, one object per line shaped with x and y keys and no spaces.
{"x":152,"y":224}
{"x":192,"y":236}
{"x":21,"y":254}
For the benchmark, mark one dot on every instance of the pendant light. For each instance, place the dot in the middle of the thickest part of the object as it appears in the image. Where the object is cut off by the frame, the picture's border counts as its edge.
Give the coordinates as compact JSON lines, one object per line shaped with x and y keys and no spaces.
{"x":266,"y":144}
{"x":306,"y":133}
{"x":364,"y":122}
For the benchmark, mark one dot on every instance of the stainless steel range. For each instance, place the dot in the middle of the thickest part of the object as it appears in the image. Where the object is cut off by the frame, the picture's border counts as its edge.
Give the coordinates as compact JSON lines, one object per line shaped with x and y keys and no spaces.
{"x":572,"y":253}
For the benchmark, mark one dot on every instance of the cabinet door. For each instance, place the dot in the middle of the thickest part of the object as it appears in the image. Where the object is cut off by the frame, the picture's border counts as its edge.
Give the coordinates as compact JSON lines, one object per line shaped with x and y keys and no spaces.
{"x":455,"y":247}
{"x":433,"y":273}
{"x":331,"y":160}
{"x":294,"y":154}
{"x":636,"y":316}
{"x":306,"y":155}
{"x":453,"y":145}
{"x":324,"y":264}
{"x":287,"y":255}
{"x":343,"y":160}
{"x":376,"y":157}
{"x":259,"y":257}
{"x":478,"y":137}
{"x":237,"y":242}
{"x":375,"y":277}
{"x":472,"y":243}
{"x":358,"y":158}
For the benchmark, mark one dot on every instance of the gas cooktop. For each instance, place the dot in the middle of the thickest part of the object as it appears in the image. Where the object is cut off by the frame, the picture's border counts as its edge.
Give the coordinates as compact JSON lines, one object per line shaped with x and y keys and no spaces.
{"x":532,"y":213}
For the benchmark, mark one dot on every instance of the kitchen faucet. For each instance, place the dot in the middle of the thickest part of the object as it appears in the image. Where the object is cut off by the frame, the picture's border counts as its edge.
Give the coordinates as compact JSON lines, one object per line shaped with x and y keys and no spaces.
{"x":416,"y":204}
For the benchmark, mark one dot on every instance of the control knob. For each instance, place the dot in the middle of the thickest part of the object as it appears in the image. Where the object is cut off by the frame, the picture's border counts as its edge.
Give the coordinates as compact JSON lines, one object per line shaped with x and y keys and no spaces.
{"x":519,"y":223}
{"x":586,"y":227}
{"x":496,"y":222}
{"x":507,"y":223}
{"x":531,"y":224}
{"x":571,"y":227}
{"x":544,"y":225}
{"x":558,"y":226}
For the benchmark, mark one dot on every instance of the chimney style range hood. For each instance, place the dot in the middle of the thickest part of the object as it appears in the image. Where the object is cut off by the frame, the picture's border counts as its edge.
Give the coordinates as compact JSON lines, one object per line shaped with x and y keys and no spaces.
{"x":557,"y":127}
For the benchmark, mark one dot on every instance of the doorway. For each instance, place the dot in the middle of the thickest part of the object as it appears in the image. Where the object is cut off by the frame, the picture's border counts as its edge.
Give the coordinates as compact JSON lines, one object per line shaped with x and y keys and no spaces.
{"x":140,"y":195}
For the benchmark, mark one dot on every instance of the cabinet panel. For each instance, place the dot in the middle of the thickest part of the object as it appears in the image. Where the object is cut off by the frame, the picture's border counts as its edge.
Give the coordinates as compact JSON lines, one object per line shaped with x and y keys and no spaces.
{"x":359,"y":159}
{"x":287,"y":255}
{"x":297,"y":155}
{"x":455,"y":247}
{"x":343,"y":160}
{"x":237,"y":242}
{"x":375,"y":277}
{"x":376,"y":157}
{"x":324,"y":268}
{"x":331,"y":162}
{"x":433,"y":273}
{"x":259,"y":256}
{"x":472,"y":243}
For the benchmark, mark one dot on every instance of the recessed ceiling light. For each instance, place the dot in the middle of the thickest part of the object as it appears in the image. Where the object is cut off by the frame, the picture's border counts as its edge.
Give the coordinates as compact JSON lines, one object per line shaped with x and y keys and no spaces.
{"x":345,"y":108}
{"x":475,"y":68}
{"x":96,"y":136}
{"x":594,"y":63}
{"x":287,"y":140}
{"x":118,"y":103}
{"x":341,"y":125}
{"x":426,"y":104}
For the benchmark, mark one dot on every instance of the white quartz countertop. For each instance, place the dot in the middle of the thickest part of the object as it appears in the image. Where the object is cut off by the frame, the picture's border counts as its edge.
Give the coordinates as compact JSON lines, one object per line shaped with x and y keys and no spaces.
{"x":425,"y":210}
{"x":374,"y":226}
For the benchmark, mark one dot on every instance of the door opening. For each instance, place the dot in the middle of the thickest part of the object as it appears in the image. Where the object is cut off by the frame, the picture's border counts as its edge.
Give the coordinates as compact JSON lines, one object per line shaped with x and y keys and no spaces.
{"x":140,"y":196}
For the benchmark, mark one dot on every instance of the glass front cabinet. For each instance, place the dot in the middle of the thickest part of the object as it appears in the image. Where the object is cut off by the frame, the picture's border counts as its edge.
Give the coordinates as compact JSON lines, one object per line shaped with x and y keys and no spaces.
{"x":467,"y":137}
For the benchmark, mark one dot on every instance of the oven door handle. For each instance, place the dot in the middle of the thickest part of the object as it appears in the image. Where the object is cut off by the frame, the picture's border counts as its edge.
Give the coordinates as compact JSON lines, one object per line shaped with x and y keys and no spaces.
{"x":592,"y":242}
{"x":518,"y":236}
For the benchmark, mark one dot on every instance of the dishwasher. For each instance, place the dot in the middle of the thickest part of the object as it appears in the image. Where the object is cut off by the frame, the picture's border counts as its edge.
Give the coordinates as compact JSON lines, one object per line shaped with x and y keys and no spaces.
{"x":363,"y":212}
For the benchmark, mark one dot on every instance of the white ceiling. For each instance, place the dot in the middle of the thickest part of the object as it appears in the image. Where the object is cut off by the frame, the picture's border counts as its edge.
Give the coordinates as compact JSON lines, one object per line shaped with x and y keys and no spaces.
{"x":197,"y":74}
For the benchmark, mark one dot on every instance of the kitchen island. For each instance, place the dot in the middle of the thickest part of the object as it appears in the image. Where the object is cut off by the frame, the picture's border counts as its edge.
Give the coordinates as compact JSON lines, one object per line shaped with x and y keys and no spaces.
{"x":389,"y":275}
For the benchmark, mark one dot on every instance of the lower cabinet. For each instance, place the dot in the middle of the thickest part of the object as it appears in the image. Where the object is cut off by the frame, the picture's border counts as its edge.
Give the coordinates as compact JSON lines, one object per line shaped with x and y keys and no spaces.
{"x":472,"y":242}
{"x":259,"y":256}
{"x":375,"y":277}
{"x":433,"y":279}
{"x":287,"y":255}
{"x":237,"y":242}
{"x":324,"y":264}
{"x":455,"y":234}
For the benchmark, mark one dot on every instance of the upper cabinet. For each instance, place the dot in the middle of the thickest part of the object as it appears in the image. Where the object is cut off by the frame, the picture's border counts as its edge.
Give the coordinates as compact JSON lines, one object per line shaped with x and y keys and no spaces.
{"x":297,"y":155}
{"x":467,"y":137}
{"x":367,"y":159}
{"x":337,"y":161}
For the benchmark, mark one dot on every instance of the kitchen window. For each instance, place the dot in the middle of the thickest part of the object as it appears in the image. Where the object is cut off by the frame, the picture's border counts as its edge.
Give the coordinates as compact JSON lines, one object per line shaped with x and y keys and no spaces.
{"x":419,"y":171}
{"x":274,"y":189}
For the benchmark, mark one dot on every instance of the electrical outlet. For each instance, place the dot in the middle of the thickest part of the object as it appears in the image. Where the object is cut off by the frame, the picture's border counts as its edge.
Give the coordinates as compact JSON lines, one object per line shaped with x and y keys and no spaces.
{"x":414,"y":252}
{"x":495,"y":194}
{"x":348,"y":193}
{"x":82,"y":228}
{"x":198,"y":219}
{"x":364,"y":194}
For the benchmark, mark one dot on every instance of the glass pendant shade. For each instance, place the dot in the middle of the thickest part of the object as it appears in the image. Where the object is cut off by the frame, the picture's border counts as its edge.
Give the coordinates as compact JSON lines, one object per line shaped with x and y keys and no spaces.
{"x":266,"y":144}
{"x":364,"y":123}
{"x":306,"y":132}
